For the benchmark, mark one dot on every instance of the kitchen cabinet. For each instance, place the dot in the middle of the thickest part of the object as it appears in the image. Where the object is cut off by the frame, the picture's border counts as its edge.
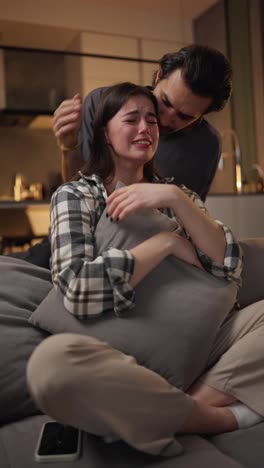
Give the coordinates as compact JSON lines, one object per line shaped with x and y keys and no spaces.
{"x":32,"y":82}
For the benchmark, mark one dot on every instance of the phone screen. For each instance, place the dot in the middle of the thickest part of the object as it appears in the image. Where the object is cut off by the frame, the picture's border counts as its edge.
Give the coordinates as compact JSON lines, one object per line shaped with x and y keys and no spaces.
{"x":57,"y":439}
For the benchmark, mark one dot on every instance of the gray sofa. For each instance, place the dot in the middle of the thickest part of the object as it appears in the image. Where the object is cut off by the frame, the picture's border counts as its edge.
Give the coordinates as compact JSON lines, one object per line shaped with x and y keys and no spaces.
{"x":242,"y":448}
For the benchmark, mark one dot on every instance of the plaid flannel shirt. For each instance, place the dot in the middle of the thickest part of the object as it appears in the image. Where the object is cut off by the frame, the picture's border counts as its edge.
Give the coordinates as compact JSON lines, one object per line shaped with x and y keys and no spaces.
{"x":92,"y":285}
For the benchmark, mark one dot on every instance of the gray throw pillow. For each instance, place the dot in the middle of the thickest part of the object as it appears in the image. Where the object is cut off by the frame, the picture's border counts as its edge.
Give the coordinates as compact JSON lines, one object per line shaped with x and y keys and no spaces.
{"x":178,"y":310}
{"x":23,"y":286}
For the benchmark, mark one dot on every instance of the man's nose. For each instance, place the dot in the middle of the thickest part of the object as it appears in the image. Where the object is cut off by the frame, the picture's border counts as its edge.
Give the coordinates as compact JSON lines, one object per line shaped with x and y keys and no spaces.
{"x":167,"y":119}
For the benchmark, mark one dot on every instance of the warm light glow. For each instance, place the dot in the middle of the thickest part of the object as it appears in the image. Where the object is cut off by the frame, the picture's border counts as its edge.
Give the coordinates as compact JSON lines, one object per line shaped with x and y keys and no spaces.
{"x":41,"y":121}
{"x":238,"y":179}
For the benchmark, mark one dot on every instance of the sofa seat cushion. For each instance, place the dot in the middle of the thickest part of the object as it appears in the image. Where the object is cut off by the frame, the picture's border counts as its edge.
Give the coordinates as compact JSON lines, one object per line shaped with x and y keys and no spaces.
{"x":23,"y":435}
{"x":244,"y":445}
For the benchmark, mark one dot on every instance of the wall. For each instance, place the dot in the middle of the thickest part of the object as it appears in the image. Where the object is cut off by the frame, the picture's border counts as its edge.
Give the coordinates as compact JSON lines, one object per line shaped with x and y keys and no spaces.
{"x":234,"y":26}
{"x":257,"y":57}
{"x":150,"y":18}
{"x":238,"y":24}
{"x":97,"y":72}
{"x":210,"y":29}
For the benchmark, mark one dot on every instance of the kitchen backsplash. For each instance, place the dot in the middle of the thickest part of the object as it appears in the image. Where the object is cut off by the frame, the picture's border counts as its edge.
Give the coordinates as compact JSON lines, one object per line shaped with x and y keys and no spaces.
{"x":30,"y":152}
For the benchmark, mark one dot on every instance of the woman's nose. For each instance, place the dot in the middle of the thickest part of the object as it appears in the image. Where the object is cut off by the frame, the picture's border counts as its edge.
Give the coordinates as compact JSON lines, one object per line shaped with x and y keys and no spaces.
{"x":143,"y":126}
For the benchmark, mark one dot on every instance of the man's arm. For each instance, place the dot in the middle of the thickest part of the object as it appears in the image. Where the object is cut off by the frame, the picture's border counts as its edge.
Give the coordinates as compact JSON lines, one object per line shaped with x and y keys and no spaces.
{"x":73,"y":128}
{"x":71,"y":162}
{"x":66,"y":125}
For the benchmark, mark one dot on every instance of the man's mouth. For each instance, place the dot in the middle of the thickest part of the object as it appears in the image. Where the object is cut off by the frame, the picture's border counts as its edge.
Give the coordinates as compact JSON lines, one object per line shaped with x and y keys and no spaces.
{"x":165,"y":130}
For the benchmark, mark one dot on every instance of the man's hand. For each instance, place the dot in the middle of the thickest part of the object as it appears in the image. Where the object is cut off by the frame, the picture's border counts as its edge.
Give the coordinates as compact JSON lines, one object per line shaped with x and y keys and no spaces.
{"x":67,"y":121}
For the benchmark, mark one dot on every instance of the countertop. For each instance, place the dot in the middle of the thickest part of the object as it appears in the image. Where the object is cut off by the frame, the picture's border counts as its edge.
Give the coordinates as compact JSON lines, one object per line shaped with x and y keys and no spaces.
{"x":27,"y":218}
{"x":12,"y":204}
{"x":9,"y":203}
{"x":226,"y":194}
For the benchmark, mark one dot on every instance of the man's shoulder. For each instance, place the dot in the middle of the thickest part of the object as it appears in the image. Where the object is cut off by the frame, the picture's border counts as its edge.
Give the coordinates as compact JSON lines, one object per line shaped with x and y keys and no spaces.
{"x":204,"y":135}
{"x":208,"y":129}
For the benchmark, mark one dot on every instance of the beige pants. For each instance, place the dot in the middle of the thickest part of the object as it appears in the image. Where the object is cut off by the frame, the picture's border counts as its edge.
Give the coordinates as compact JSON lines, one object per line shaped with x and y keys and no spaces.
{"x":237,"y":357}
{"x":80,"y":381}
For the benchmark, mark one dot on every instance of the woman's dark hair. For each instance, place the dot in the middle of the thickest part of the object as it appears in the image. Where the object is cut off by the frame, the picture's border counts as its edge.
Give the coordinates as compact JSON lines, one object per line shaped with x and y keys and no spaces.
{"x":206,"y":71}
{"x":101,"y":162}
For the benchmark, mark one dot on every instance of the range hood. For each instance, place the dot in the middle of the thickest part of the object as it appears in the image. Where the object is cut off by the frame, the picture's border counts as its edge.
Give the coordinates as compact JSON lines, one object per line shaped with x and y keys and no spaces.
{"x":31,"y":85}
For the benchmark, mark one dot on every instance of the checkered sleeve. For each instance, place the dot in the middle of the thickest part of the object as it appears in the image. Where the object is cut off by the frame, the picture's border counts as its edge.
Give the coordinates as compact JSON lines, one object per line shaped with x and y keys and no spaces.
{"x":90,"y":285}
{"x":232,"y":266}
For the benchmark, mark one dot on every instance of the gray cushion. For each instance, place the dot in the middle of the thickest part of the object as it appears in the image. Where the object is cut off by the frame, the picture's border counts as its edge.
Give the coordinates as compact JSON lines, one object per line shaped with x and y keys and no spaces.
{"x":252,"y":289}
{"x":179,"y":308}
{"x":22,"y":288}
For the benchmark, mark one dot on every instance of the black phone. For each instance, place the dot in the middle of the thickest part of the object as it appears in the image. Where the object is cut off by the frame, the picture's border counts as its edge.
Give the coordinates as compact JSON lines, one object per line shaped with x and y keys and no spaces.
{"x":58,"y":443}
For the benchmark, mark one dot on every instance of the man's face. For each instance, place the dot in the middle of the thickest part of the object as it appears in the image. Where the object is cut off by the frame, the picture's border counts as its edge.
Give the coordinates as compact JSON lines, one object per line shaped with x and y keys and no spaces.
{"x":178,"y":106}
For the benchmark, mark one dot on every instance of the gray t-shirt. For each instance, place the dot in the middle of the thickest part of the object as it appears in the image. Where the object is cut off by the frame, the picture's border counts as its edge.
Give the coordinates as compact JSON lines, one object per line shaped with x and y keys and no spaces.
{"x":190,"y":156}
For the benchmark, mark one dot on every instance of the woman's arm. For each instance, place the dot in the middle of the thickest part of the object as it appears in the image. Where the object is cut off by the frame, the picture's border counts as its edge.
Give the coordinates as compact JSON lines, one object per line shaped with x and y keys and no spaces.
{"x":150,"y":253}
{"x":217,"y":249}
{"x":88,"y":283}
{"x":205,"y":233}
{"x":73,"y":123}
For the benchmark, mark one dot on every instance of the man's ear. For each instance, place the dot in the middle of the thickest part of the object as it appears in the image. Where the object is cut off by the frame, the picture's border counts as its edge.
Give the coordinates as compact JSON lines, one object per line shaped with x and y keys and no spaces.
{"x":158,"y":76}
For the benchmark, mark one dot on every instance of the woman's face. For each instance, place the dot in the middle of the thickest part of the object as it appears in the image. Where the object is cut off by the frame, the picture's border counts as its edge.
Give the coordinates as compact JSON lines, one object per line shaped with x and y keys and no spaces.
{"x":133,"y":132}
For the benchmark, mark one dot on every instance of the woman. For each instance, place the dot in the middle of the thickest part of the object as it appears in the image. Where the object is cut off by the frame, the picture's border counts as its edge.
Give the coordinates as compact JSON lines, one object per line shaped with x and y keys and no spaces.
{"x":87,"y":383}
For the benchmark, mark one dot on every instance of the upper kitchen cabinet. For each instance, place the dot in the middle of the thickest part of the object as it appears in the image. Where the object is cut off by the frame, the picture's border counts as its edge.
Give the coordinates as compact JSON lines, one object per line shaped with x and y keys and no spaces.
{"x":31,"y":81}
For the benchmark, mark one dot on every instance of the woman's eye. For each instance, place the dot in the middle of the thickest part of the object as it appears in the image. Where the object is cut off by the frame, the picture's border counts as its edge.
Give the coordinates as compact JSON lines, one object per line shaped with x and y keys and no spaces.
{"x":152,"y":122}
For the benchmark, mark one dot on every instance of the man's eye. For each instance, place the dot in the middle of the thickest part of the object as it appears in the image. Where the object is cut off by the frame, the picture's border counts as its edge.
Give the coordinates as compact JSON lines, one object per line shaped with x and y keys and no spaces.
{"x":184,"y":116}
{"x":166,"y":102}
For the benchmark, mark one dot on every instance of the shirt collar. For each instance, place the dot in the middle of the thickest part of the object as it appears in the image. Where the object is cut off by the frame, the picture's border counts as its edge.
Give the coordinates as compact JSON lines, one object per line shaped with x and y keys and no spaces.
{"x":98,"y":181}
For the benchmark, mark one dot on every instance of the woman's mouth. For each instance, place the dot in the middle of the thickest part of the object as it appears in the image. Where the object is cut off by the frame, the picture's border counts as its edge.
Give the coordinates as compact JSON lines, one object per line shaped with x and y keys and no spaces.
{"x":142,"y":143}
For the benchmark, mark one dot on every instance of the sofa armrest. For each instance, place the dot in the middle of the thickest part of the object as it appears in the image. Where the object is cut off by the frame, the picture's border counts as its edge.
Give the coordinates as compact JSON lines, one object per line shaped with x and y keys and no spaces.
{"x":252,"y":289}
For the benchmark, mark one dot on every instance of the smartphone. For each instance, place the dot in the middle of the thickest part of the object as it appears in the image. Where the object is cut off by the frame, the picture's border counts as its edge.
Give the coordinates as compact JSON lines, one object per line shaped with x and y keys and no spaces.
{"x":58,"y":443}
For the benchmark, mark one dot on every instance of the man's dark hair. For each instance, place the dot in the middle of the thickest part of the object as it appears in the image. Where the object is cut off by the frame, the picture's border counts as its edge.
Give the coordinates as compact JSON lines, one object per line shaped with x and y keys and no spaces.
{"x":111,"y":101}
{"x":206,"y":71}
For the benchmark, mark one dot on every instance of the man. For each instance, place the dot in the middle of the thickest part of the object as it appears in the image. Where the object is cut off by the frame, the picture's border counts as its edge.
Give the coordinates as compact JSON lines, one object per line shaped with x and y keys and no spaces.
{"x":190,"y":83}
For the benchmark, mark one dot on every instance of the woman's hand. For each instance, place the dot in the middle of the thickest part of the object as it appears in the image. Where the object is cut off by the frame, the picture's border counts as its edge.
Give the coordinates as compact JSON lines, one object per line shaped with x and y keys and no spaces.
{"x":136,"y":197}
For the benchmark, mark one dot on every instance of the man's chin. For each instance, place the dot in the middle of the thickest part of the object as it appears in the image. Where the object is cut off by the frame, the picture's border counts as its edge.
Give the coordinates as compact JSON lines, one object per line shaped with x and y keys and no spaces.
{"x":166,"y":130}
